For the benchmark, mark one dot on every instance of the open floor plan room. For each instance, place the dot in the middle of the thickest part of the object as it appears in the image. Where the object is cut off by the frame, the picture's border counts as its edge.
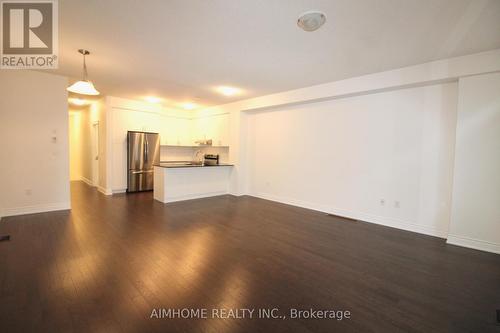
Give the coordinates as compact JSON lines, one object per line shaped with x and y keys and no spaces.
{"x":250,"y":166}
{"x":107,"y":264}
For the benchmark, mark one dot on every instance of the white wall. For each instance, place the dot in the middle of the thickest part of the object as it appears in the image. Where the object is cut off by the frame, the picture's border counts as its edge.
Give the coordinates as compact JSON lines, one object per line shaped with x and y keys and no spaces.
{"x":476,"y":192}
{"x":344,"y":156}
{"x":446,"y":70}
{"x":34,"y":142}
{"x":415,"y":217}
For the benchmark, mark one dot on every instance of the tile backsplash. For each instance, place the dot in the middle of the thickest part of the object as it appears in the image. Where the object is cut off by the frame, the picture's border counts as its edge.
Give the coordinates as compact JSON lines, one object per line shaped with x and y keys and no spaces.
{"x":171,"y":153}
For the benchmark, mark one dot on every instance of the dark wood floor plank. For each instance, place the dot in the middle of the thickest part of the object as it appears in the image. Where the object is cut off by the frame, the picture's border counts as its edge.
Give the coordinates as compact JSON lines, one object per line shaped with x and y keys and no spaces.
{"x":104,"y":266}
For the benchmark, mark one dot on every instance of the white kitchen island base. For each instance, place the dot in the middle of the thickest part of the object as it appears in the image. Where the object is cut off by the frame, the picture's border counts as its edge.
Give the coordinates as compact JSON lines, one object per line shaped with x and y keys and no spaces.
{"x":183,"y":183}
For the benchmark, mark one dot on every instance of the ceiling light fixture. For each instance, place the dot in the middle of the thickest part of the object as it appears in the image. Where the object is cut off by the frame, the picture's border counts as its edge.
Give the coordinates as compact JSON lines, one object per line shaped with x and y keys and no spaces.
{"x":77,"y":101}
{"x":228,"y":91}
{"x":152,"y":99}
{"x":189,"y":106}
{"x":84,"y":87}
{"x":311,"y":20}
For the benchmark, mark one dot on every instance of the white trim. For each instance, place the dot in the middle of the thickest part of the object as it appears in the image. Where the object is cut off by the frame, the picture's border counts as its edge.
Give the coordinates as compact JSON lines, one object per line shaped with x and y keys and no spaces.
{"x":393,"y":223}
{"x":174,"y":116}
{"x":87,"y":181}
{"x":215,"y":113}
{"x":105,"y":191}
{"x":36,"y":209}
{"x":364,"y":217}
{"x":94,"y":151}
{"x":119,"y":190}
{"x":108,"y":124}
{"x":473,"y":243}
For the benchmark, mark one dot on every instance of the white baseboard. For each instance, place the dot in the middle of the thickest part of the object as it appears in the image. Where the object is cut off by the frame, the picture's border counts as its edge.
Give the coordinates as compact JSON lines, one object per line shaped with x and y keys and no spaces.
{"x":87,"y":181}
{"x":105,"y":191}
{"x":473,"y":243}
{"x":393,"y":223}
{"x":35,"y":209}
{"x":111,"y":191}
{"x":382,"y":220}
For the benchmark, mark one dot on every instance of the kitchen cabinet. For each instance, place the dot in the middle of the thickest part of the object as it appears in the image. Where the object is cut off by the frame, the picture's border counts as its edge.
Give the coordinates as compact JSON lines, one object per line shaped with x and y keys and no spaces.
{"x":215,"y":127}
{"x":129,"y":120}
{"x":176,"y":131}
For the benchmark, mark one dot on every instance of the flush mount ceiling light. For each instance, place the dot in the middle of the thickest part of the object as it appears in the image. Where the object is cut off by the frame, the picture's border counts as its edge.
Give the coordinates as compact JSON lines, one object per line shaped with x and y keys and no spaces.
{"x":77,"y":101}
{"x":152,"y":99}
{"x":83,"y":87}
{"x":228,"y":91}
{"x":189,"y":106}
{"x":311,"y":20}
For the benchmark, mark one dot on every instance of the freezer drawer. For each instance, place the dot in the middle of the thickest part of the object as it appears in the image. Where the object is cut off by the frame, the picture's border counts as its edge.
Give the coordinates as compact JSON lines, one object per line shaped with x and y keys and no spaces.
{"x":140,"y":180}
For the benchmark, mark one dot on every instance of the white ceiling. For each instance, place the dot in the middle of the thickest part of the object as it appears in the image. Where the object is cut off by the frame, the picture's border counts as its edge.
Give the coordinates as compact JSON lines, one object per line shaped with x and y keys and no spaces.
{"x":181,"y":49}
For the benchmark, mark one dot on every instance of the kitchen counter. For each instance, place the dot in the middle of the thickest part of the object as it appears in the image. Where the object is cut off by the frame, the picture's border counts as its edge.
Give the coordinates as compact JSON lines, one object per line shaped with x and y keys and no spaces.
{"x":177,"y":181}
{"x":186,"y":165}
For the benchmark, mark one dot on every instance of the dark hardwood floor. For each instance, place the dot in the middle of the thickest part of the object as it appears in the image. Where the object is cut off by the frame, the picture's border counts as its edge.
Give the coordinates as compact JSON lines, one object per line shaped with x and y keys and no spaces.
{"x":104,"y":266}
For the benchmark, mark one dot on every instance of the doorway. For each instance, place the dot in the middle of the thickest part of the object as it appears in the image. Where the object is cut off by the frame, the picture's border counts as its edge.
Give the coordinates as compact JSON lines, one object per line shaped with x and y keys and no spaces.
{"x":95,"y":153}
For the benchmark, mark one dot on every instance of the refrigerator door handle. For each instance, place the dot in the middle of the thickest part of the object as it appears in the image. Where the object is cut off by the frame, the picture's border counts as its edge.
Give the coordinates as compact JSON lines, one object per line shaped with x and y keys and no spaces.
{"x":139,"y":172}
{"x":146,"y":149}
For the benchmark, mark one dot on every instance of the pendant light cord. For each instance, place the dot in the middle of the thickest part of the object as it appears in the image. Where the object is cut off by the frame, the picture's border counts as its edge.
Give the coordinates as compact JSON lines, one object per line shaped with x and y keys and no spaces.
{"x":85,"y":74}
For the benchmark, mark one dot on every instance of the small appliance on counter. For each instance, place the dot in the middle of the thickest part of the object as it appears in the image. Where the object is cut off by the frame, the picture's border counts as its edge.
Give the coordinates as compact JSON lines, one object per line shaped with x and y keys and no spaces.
{"x":211,"y":159}
{"x":204,"y":142}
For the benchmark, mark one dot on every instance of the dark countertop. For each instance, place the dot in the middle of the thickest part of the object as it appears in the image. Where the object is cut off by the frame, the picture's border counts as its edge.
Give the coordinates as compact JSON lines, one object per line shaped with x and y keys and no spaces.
{"x":186,"y":165}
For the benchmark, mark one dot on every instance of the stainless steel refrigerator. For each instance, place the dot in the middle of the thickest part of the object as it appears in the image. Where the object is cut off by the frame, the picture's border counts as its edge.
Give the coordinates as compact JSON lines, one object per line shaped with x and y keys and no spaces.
{"x":143,"y":152}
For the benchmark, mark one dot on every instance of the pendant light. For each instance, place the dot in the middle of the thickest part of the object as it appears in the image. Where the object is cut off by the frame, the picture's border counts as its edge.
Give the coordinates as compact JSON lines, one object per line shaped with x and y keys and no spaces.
{"x":84,"y":87}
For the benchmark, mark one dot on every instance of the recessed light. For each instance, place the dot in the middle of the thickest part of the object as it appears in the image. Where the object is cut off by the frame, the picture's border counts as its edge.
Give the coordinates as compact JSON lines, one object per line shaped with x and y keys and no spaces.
{"x":152,"y":99}
{"x":189,"y":106}
{"x":311,"y":20}
{"x":228,"y":91}
{"x":77,"y":101}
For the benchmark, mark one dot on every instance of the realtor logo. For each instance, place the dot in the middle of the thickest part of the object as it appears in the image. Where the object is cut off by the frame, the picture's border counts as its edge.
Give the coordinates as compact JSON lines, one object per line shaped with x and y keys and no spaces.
{"x":29,"y":34}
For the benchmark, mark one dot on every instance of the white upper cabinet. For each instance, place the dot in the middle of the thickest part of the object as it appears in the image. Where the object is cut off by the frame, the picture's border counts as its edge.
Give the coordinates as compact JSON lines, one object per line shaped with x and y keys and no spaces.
{"x":223,"y":130}
{"x":201,"y":130}
{"x":128,"y":120}
{"x":179,"y":131}
{"x":176,"y":131}
{"x":215,"y":127}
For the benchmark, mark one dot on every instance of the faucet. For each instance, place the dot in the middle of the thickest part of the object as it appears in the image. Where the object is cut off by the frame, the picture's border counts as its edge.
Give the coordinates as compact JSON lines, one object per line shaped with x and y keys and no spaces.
{"x":196,"y":156}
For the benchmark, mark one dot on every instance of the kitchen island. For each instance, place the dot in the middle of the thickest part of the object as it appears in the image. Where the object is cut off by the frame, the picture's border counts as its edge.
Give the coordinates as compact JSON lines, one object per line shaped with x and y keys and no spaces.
{"x":184,"y":181}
